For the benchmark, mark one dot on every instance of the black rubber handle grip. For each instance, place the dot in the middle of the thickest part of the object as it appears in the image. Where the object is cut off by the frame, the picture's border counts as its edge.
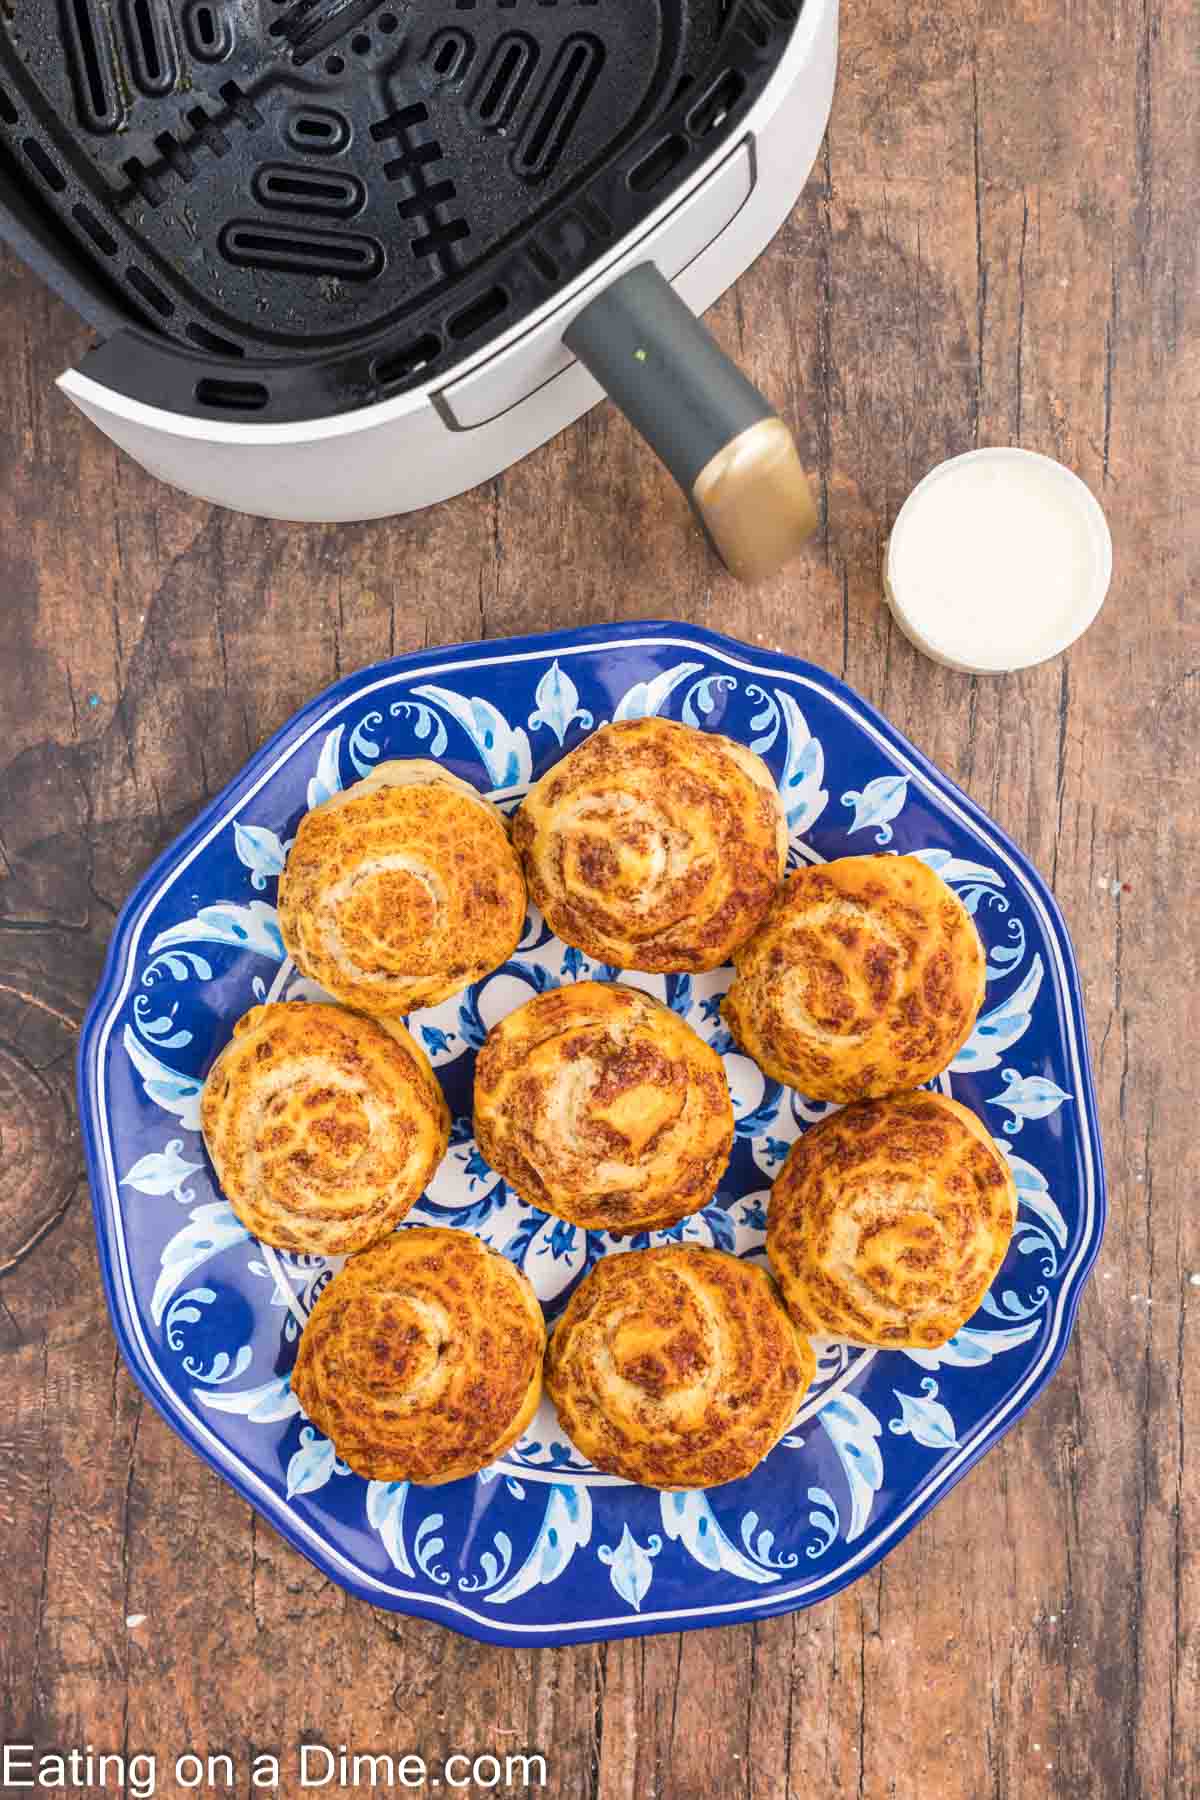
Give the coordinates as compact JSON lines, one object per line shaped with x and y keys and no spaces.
{"x":665,"y":371}
{"x":721,"y":440}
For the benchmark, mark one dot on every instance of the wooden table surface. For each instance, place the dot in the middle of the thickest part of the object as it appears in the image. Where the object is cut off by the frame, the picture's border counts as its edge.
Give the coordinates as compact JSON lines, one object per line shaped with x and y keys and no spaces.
{"x":998,"y":245}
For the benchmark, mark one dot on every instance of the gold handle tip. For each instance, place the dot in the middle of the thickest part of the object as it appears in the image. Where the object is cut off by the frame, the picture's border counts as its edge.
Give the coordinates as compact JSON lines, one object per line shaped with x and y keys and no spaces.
{"x":755,"y":501}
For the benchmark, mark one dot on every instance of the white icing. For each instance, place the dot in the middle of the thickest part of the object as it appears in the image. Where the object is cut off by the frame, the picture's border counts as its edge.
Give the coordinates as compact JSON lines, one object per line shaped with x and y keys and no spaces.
{"x":998,"y":559}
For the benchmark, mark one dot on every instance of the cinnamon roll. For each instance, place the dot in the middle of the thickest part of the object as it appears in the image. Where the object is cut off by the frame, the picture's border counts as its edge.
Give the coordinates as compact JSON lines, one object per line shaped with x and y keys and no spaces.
{"x":401,"y":890}
{"x":422,"y":1359}
{"x":865,"y":978}
{"x":603,"y":1107}
{"x":324,"y":1127}
{"x":676,"y":1368}
{"x":653,"y":845}
{"x":889,"y":1220}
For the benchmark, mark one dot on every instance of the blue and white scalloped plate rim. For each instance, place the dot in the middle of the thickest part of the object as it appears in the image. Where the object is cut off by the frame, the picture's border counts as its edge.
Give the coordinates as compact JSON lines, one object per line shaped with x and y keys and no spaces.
{"x":542,"y":1548}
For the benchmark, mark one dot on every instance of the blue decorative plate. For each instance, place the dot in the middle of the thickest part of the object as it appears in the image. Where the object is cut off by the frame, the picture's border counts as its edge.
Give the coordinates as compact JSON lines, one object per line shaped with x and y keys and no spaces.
{"x":541,"y":1548}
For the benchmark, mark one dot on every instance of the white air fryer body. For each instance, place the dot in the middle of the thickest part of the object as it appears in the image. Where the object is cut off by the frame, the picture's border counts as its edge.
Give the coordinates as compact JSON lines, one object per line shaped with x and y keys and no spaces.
{"x":495,"y":407}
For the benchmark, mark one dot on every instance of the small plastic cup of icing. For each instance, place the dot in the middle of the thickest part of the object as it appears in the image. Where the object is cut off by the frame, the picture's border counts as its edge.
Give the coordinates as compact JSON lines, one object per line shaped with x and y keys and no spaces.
{"x":998,"y":559}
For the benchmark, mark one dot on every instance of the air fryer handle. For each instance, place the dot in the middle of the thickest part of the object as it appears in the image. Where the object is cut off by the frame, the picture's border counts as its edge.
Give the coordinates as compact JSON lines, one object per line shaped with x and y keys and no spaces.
{"x":731,"y":454}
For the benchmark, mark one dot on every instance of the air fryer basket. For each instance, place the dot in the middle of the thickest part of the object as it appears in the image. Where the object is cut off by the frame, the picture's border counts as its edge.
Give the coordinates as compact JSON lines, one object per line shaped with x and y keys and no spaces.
{"x":303,"y":206}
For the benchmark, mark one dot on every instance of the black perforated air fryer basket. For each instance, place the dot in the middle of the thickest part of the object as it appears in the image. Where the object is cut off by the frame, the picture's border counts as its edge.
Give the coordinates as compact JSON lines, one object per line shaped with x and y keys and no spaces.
{"x":282,"y":209}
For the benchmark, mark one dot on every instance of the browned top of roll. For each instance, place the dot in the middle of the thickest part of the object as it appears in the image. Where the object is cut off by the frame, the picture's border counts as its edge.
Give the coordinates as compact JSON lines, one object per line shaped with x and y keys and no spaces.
{"x":889,"y":1220}
{"x":324,"y":1127}
{"x":603,"y":1107}
{"x":676,"y":1368}
{"x":422,"y":1359}
{"x":653,"y":845}
{"x":401,"y":890}
{"x":865,"y":978}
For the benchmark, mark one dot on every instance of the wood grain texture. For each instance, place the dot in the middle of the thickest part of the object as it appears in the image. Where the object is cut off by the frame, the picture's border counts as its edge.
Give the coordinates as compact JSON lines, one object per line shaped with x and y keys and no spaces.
{"x":998,"y":245}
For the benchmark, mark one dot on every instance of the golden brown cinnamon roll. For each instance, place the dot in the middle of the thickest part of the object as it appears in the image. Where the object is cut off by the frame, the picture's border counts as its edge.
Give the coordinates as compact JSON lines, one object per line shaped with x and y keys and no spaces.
{"x":401,"y":890}
{"x":653,"y":845}
{"x":865,"y":978}
{"x":324,"y":1127}
{"x":889,"y":1220}
{"x":603,"y":1107}
{"x":677,"y":1368}
{"x":422,"y":1360}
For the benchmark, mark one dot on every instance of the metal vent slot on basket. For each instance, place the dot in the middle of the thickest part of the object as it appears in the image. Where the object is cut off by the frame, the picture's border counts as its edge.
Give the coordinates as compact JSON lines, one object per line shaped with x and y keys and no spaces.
{"x":153,"y":62}
{"x":319,"y":129}
{"x":558,"y":106}
{"x":505,"y":77}
{"x":45,"y":165}
{"x":93,"y":64}
{"x":287,"y":188}
{"x":335,"y":255}
{"x":212,"y":341}
{"x":150,"y":292}
{"x":448,"y":57}
{"x":233,"y":396}
{"x":86,"y":219}
{"x":481,"y":312}
{"x":208,"y":30}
